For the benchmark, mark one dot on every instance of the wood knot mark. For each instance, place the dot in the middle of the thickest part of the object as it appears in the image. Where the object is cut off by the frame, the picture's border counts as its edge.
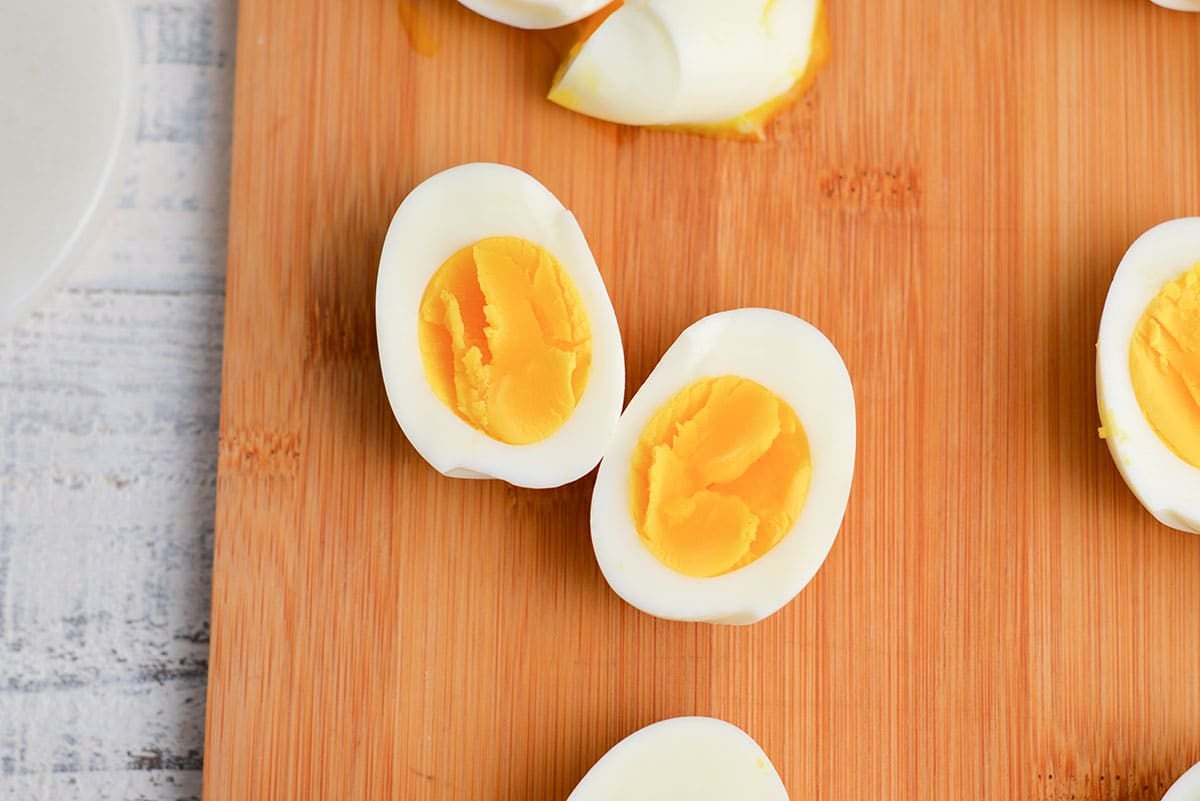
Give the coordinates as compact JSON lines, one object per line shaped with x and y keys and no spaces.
{"x":871,"y":189}
{"x":258,"y":452}
{"x":1137,"y":785}
{"x":336,"y":333}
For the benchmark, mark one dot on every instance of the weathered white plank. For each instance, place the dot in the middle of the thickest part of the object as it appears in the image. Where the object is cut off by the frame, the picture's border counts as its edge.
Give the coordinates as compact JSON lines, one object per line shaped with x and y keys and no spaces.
{"x":106,"y":786}
{"x":108,"y":432}
{"x":109,"y":399}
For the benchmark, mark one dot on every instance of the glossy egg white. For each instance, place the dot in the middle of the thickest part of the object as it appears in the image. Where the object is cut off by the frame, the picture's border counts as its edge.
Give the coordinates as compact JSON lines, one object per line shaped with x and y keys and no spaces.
{"x":450,"y":211}
{"x":1186,"y":787}
{"x":689,"y":62}
{"x":1180,"y":5}
{"x":692,"y":758}
{"x":535,"y":14}
{"x":802,"y":367}
{"x":1165,"y":484}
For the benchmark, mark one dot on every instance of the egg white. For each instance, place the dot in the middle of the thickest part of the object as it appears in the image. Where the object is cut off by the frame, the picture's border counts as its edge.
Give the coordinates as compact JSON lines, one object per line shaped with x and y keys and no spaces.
{"x":450,"y":211}
{"x":796,"y":362}
{"x":693,"y":758}
{"x":1180,"y":5}
{"x":1186,"y":787}
{"x":534,"y":14}
{"x":680,"y":62}
{"x":1166,"y":485}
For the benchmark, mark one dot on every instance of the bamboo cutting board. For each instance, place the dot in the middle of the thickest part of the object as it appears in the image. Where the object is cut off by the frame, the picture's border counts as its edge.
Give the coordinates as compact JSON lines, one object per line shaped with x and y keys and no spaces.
{"x":998,"y":619}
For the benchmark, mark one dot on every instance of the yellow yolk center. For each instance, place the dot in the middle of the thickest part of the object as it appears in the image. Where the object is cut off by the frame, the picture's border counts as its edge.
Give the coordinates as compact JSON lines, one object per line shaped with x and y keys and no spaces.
{"x":1164,"y":364}
{"x":505,"y":339}
{"x":719,"y":476}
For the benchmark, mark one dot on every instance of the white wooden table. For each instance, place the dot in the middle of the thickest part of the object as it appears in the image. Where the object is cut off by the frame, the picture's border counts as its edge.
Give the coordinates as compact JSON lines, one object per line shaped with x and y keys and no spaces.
{"x":109,"y":400}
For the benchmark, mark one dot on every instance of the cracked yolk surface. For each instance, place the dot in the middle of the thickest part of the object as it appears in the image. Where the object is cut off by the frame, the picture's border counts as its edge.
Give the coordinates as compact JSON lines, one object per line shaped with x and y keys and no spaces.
{"x":505,"y":339}
{"x":1164,"y":365}
{"x":719,"y":475}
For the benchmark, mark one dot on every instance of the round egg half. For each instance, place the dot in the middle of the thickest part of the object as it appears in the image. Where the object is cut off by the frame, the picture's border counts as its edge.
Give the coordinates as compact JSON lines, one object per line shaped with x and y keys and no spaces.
{"x":711,"y":66}
{"x":729,"y":472}
{"x":693,"y":758}
{"x":534,"y":14}
{"x":498,"y":343}
{"x":1148,"y":371}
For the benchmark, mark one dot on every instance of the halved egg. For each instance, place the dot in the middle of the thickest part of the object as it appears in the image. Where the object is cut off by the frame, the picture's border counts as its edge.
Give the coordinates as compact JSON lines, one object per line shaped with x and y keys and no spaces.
{"x":534,"y":14}
{"x":729,"y":473}
{"x":693,"y":758}
{"x":1148,"y":371}
{"x":710,"y":66}
{"x":497,"y":339}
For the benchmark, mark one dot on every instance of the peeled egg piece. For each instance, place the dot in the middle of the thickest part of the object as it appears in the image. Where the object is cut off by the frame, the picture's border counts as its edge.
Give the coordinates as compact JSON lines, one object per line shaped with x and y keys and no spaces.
{"x":534,"y":14}
{"x":497,"y":339}
{"x":693,"y":758}
{"x":1186,"y":787}
{"x":1180,"y":5}
{"x":710,"y":66}
{"x":1148,"y":371}
{"x":729,"y":472}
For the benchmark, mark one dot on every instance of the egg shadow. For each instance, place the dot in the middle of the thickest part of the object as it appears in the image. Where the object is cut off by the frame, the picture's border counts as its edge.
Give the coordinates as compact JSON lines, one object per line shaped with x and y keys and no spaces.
{"x":541,"y":50}
{"x":568,"y":756}
{"x":1064,"y":383}
{"x":569,"y":752}
{"x":340,"y":347}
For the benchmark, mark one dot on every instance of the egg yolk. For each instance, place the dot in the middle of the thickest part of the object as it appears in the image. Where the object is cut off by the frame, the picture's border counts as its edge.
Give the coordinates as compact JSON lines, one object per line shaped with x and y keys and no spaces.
{"x":1164,"y":365}
{"x":505,"y":339}
{"x":719,"y":476}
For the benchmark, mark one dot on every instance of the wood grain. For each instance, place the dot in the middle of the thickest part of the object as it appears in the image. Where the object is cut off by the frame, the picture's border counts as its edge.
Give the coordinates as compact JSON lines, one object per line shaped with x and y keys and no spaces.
{"x":998,"y":619}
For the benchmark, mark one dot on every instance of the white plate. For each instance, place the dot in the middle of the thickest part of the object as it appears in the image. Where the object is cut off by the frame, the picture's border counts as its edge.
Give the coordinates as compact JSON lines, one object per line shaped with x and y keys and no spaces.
{"x":66,"y":124}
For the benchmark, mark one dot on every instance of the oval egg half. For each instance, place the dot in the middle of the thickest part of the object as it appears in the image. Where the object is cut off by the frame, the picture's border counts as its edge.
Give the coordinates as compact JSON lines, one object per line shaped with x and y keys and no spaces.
{"x":693,"y":758}
{"x":498,"y":343}
{"x":729,"y":473}
{"x":1148,"y":371}
{"x":534,"y":14}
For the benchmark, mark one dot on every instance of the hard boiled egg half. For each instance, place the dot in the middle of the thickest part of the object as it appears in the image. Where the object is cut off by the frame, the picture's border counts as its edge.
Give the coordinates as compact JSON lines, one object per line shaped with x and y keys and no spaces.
{"x":1148,"y":371}
{"x":693,"y":758}
{"x":534,"y":14}
{"x":497,"y":339}
{"x":729,"y":472}
{"x":723,"y":67}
